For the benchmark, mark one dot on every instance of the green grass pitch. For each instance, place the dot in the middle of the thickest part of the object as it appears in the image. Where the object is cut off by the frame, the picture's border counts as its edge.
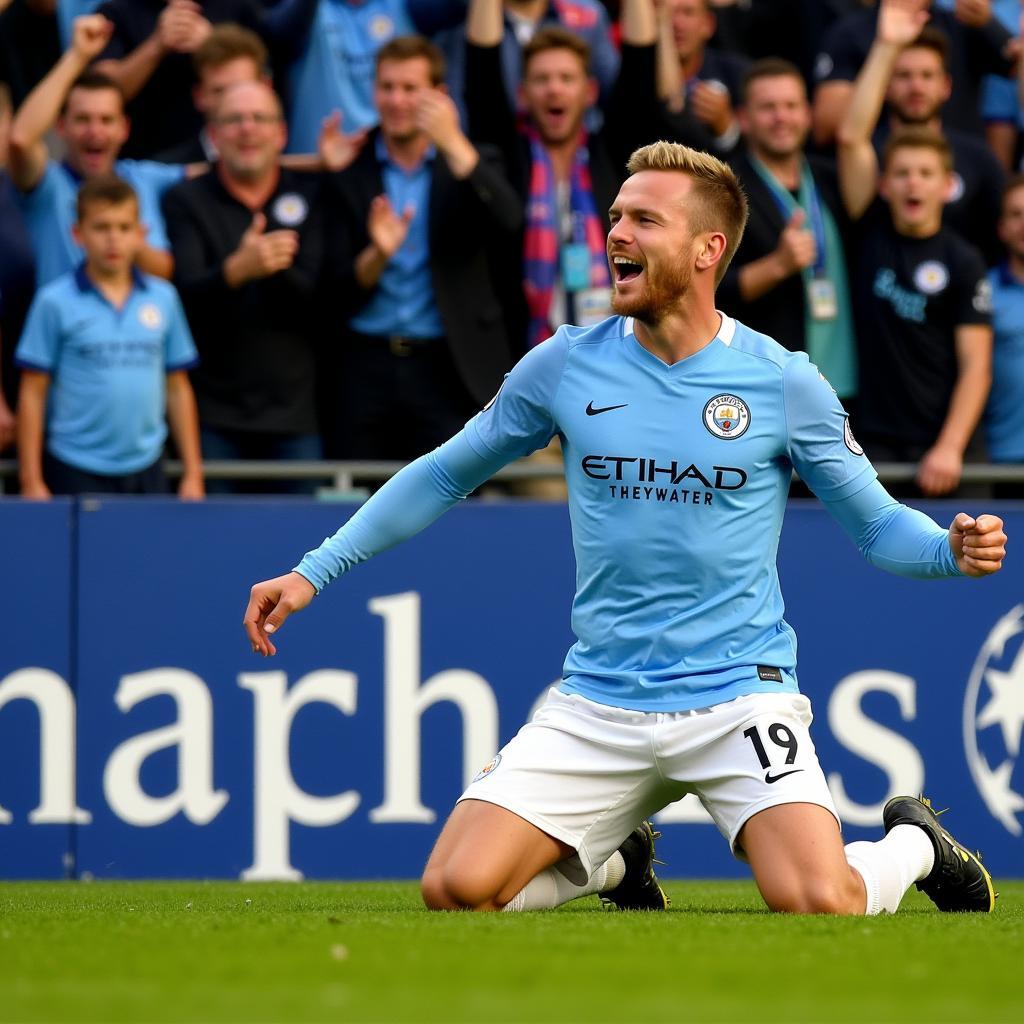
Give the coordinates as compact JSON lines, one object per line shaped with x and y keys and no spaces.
{"x":225,"y":951}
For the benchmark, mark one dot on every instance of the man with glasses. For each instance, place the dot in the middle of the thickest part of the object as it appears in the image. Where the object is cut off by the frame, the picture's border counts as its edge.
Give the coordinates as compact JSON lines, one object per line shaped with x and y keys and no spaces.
{"x":248,"y":240}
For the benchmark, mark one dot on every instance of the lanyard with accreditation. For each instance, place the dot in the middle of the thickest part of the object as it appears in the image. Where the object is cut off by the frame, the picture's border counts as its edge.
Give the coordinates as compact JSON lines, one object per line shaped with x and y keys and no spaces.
{"x":821,"y":290}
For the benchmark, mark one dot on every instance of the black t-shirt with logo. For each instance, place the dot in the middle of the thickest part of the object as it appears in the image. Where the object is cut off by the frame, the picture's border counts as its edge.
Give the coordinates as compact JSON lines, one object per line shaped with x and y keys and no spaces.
{"x":257,"y":342}
{"x":910,"y":295}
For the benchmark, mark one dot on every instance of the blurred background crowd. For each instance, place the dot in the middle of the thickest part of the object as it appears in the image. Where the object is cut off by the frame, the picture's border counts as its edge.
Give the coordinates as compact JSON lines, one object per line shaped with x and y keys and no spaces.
{"x":309,"y":229}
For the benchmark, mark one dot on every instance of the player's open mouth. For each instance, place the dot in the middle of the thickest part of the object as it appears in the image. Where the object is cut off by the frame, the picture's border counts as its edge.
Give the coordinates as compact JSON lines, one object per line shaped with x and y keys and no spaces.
{"x":626,"y":269}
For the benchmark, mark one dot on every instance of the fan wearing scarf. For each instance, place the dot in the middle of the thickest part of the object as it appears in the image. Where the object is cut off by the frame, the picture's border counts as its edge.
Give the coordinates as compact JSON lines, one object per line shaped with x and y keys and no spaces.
{"x":567,"y":174}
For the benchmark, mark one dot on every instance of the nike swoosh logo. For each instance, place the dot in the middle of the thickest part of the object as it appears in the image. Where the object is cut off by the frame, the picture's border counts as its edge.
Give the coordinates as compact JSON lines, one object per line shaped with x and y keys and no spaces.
{"x":591,"y":411}
{"x":769,"y":778}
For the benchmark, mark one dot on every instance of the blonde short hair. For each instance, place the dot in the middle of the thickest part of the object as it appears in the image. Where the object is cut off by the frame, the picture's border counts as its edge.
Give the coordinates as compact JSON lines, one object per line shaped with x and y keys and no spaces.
{"x":720,"y":202}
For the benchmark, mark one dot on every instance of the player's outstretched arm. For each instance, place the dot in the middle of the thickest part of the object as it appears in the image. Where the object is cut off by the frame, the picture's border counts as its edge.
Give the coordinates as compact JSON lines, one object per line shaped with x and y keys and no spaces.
{"x":514,"y":423}
{"x":978,"y":545}
{"x":408,"y":503}
{"x":904,"y":541}
{"x":270,"y":603}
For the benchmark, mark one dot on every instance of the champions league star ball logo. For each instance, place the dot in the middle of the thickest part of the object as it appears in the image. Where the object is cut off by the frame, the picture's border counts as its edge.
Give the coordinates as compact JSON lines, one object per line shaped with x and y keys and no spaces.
{"x":994,"y":720}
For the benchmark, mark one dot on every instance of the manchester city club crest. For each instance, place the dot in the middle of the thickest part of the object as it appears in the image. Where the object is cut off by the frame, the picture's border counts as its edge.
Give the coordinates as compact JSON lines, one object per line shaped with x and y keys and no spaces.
{"x":931,"y":277}
{"x":149,"y":316}
{"x":994,"y":720}
{"x":488,"y":768}
{"x":727,"y":416}
{"x":382,"y":28}
{"x":290,"y":209}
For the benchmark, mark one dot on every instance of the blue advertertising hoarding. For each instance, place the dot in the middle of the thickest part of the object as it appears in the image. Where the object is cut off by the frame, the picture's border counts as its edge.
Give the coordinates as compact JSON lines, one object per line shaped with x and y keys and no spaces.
{"x":139,"y":737}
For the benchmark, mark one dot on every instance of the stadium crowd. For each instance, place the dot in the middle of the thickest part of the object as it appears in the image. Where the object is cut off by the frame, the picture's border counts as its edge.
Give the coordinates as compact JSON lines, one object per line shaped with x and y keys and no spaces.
{"x":298,"y":229}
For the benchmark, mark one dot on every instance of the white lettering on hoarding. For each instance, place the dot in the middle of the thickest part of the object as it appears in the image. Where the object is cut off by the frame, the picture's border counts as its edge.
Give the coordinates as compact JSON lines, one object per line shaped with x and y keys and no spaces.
{"x":405,"y":701}
{"x":882,"y":747}
{"x":191,"y":733}
{"x":277,"y":800}
{"x":56,"y":706}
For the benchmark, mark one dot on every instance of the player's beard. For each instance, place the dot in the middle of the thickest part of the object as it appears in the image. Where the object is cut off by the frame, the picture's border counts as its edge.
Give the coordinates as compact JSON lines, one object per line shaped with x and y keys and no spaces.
{"x":663,"y":289}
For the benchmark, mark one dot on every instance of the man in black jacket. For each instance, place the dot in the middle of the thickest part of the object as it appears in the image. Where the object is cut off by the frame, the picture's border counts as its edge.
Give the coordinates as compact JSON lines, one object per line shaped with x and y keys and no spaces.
{"x":425,"y":215}
{"x":248,"y":240}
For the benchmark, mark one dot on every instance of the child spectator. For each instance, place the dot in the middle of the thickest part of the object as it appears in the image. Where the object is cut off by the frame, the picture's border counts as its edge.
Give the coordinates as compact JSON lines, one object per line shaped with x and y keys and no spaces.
{"x":917,"y":90}
{"x":104,"y":356}
{"x":922,"y":300}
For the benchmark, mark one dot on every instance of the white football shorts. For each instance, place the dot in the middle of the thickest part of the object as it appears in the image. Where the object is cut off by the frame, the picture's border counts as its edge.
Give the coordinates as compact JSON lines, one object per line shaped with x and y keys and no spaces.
{"x":587,"y":773}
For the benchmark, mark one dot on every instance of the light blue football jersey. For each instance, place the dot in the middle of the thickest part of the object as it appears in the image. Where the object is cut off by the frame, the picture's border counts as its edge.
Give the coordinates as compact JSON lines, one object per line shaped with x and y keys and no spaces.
{"x":49,"y":211}
{"x":105,"y":412}
{"x":678,"y":478}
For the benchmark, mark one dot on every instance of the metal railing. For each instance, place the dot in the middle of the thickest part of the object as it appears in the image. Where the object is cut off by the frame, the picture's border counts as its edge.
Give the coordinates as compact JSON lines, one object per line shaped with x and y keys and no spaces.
{"x":338,"y":477}
{"x":344,"y":477}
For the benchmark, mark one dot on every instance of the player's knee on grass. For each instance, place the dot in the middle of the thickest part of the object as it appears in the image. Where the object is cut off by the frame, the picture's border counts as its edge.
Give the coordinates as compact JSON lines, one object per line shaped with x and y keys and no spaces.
{"x":433,"y":892}
{"x":445,"y":888}
{"x":821,"y":895}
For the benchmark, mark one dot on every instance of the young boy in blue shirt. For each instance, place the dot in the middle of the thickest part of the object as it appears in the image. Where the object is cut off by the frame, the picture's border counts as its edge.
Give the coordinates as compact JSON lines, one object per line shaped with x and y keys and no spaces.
{"x":104,"y":356}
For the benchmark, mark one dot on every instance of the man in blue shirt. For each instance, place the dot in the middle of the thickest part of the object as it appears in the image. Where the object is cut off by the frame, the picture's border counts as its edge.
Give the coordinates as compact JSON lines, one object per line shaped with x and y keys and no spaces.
{"x":88,"y":111}
{"x":104,"y":356}
{"x":428,"y":336}
{"x":335,"y":68}
{"x":680,"y":428}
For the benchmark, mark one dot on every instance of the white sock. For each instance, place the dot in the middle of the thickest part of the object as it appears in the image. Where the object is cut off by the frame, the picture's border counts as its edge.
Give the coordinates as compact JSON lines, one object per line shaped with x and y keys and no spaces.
{"x":890,"y":866}
{"x":551,"y":888}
